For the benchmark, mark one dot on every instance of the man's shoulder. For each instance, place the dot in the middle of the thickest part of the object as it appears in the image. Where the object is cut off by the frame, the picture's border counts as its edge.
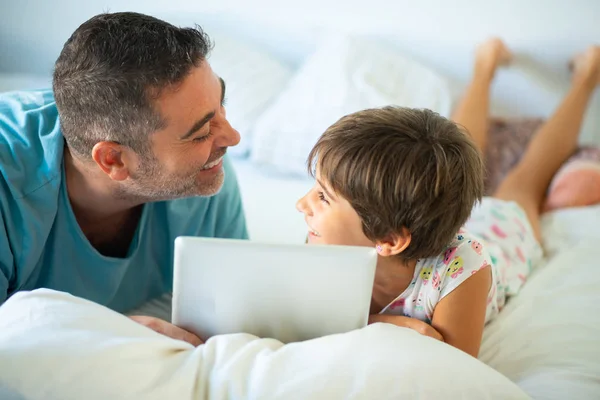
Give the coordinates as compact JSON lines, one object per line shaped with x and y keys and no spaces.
{"x":31,"y":150}
{"x":31,"y":141}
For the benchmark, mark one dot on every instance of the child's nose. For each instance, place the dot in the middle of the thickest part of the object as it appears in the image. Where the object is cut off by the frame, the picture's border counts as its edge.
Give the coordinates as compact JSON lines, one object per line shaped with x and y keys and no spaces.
{"x":302,"y":206}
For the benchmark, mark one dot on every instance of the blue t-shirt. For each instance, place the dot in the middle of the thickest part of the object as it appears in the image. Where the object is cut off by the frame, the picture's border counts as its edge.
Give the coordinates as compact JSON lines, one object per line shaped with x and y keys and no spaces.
{"x":41,"y":244}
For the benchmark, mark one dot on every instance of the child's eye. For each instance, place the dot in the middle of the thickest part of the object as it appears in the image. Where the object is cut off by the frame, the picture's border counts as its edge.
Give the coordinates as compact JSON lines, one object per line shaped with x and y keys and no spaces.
{"x":322,"y":198}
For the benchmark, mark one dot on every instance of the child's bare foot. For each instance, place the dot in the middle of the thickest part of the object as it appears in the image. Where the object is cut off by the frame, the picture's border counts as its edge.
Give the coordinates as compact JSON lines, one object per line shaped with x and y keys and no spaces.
{"x":490,"y":55}
{"x":586,"y":67}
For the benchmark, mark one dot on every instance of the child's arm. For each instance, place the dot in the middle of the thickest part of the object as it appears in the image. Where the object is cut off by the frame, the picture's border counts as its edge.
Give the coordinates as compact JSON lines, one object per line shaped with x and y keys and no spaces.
{"x":407,"y":322}
{"x":460,"y":316}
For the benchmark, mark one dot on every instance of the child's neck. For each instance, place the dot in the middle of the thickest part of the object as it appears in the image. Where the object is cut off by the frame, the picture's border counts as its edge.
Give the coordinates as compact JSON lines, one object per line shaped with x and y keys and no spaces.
{"x":392,"y":277}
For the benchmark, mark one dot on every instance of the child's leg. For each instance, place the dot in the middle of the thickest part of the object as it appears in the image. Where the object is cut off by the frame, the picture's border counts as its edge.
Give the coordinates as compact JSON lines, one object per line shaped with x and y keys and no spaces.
{"x":553,"y":144}
{"x":473,"y":110}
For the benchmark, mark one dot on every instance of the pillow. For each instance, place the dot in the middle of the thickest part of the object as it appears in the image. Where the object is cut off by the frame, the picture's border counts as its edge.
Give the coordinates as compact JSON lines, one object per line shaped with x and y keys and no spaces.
{"x":56,"y":346}
{"x":344,"y":75}
{"x":253,"y":78}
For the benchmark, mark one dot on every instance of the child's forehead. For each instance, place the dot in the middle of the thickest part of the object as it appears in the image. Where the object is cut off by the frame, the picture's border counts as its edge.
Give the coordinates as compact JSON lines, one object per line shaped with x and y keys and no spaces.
{"x":318,"y":176}
{"x":321,"y":180}
{"x":323,"y":183}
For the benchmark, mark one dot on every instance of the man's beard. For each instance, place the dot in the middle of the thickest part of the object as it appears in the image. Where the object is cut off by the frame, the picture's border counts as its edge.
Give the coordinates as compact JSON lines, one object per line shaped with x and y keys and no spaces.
{"x":151,"y":183}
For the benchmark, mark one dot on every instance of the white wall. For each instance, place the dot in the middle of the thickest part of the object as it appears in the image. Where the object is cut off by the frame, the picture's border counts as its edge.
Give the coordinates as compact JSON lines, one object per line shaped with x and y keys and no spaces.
{"x":543,"y":33}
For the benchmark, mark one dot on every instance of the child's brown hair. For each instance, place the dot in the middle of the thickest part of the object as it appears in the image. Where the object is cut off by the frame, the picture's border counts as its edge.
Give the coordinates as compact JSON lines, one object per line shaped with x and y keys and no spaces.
{"x":401,"y":167}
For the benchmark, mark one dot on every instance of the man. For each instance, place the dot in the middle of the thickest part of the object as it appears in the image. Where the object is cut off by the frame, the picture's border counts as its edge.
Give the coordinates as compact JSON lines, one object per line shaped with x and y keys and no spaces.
{"x":98,"y":177}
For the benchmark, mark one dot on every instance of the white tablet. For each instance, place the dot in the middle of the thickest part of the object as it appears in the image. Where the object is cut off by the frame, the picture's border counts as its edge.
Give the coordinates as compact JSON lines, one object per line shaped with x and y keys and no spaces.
{"x":287,"y":292}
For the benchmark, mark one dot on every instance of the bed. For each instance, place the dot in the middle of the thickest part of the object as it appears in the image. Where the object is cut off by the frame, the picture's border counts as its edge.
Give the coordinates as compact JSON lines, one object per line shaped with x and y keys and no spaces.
{"x":545,"y":344}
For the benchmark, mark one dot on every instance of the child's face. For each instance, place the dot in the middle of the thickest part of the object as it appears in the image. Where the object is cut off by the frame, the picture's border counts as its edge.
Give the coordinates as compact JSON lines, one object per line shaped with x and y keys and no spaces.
{"x":330,"y":218}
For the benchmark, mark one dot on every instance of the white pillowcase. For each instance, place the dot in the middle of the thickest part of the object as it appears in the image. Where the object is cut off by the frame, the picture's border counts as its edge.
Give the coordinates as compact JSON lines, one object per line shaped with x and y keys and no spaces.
{"x":344,"y":75}
{"x":253,"y":78}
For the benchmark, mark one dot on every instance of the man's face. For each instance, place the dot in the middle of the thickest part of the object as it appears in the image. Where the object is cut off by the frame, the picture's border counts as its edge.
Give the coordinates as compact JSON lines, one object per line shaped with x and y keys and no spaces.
{"x":187,"y":154}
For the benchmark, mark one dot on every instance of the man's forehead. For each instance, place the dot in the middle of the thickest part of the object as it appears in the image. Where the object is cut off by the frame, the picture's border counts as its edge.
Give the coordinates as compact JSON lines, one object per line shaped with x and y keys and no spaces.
{"x":198,"y":92}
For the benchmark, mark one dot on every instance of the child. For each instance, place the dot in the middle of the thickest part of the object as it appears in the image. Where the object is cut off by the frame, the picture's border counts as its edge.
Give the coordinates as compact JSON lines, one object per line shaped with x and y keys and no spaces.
{"x":406,"y":182}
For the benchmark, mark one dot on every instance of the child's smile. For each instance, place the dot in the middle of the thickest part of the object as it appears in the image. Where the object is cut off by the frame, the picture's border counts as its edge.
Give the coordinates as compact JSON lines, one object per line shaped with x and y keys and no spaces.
{"x":330,"y":218}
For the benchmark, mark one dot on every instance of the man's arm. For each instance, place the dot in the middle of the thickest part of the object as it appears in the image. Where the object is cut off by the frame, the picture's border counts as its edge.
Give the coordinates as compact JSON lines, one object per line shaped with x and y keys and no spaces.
{"x":167,"y":329}
{"x":3,"y":284}
{"x":6,"y":262}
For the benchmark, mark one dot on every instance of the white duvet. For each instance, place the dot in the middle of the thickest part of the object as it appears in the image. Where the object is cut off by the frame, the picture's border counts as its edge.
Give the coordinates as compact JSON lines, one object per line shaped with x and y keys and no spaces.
{"x":544,"y":344}
{"x":55,"y":346}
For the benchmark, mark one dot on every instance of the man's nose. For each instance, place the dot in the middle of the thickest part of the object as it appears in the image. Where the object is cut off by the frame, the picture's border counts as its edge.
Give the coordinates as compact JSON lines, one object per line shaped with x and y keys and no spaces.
{"x":229,"y":135}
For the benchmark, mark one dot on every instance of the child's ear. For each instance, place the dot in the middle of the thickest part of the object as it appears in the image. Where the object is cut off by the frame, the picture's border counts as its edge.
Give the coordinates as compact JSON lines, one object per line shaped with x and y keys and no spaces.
{"x":394,"y":243}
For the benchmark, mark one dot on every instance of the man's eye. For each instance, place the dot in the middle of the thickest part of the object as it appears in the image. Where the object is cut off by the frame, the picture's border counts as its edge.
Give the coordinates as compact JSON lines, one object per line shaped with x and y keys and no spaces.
{"x":203,"y":138}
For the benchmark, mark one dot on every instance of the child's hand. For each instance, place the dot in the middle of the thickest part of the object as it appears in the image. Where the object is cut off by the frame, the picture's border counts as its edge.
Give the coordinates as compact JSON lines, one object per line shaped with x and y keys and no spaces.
{"x":490,"y":55}
{"x":407,"y":322}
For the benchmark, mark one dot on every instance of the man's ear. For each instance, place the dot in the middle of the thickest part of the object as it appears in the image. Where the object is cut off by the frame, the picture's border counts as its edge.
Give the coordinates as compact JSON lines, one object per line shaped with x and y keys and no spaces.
{"x":394,"y":243}
{"x":110,"y":157}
